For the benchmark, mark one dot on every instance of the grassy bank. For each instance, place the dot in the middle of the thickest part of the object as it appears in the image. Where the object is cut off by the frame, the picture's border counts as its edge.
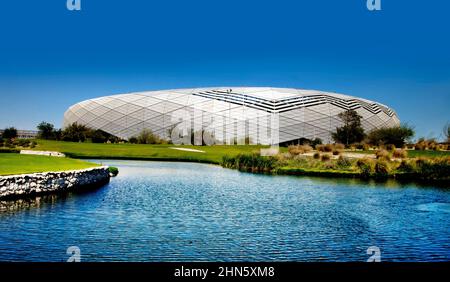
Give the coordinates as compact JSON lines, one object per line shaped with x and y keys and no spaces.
{"x":20,"y":164}
{"x":417,"y":153}
{"x":435,"y":169}
{"x":212,"y":154}
{"x":430,"y":165}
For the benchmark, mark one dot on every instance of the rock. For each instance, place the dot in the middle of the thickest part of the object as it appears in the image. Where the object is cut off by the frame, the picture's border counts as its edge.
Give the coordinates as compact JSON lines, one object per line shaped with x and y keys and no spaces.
{"x":22,"y":185}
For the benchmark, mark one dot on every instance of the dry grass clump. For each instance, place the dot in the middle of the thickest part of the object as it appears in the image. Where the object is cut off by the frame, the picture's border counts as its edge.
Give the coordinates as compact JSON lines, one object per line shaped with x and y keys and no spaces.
{"x":430,"y":144}
{"x":329,"y":148}
{"x":299,"y":149}
{"x":339,"y":146}
{"x":325,"y":158}
{"x":366,"y":166}
{"x":400,"y":154}
{"x":383,"y":154}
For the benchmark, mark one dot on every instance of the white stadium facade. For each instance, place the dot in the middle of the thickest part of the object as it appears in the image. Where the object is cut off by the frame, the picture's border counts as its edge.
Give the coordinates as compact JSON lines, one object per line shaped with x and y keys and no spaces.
{"x":227,"y":115}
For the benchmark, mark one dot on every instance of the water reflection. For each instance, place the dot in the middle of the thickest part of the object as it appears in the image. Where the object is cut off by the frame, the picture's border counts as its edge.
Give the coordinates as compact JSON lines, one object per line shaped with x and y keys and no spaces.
{"x":162,"y":211}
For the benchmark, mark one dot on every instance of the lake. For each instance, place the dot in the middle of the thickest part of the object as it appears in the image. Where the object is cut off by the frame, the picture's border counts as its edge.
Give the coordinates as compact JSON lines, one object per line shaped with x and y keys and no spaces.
{"x":169,"y":211}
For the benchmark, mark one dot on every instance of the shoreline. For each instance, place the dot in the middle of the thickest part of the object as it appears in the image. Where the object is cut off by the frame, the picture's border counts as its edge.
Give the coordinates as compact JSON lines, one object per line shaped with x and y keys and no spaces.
{"x":329,"y":174}
{"x":21,"y":186}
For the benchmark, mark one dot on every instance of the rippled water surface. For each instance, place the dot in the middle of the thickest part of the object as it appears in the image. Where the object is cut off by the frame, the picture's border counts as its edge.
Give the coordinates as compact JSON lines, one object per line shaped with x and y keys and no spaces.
{"x":162,"y":211}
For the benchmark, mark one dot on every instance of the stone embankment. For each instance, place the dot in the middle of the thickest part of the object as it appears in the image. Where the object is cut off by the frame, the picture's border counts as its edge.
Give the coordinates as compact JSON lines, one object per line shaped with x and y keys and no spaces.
{"x":26,"y":185}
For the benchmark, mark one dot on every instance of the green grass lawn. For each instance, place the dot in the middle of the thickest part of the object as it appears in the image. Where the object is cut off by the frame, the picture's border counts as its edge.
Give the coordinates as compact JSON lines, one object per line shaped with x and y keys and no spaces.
{"x":11,"y":163}
{"x":213,"y":154}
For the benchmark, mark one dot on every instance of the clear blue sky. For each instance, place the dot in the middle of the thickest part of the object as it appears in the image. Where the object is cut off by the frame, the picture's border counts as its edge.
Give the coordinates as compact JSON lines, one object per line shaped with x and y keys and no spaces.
{"x":51,"y":58}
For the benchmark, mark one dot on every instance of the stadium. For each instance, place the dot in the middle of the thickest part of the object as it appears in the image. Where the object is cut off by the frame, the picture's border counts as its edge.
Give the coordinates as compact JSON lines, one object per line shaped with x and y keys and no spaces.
{"x":227,"y":115}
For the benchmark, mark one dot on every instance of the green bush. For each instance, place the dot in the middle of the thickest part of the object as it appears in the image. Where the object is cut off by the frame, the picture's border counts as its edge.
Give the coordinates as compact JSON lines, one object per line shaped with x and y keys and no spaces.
{"x":9,"y":133}
{"x":407,"y":166}
{"x":76,"y":133}
{"x":250,"y":162}
{"x":113,"y":170}
{"x":9,"y":150}
{"x":391,"y":135}
{"x":437,"y":168}
{"x":22,"y":142}
{"x":133,"y":140}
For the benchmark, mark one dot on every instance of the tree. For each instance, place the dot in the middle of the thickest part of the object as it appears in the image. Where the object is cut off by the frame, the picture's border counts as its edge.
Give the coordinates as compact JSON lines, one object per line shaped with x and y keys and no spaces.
{"x":146,"y":136}
{"x":46,"y":130}
{"x":447,"y":132}
{"x":352,"y":131}
{"x":100,"y":136}
{"x":75,"y":133}
{"x":9,"y":133}
{"x":397,"y":135}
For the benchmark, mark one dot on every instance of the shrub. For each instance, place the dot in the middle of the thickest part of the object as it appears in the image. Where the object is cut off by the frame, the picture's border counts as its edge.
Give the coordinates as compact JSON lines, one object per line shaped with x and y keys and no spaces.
{"x":390,"y":147}
{"x":250,"y":162}
{"x":406,"y":166}
{"x":9,"y":133}
{"x":391,"y":135}
{"x":366,"y":147}
{"x":325,"y":158}
{"x":100,"y":136}
{"x":400,"y":153}
{"x":299,"y":149}
{"x":113,"y":170}
{"x":336,"y":152}
{"x":437,"y":168}
{"x":382,"y":168}
{"x":8,"y":143}
{"x":383,"y":154}
{"x":316,"y":141}
{"x":339,"y":146}
{"x":328,"y":148}
{"x":133,"y":140}
{"x":329,"y":165}
{"x":228,"y":162}
{"x":320,"y":148}
{"x":316,"y":155}
{"x":366,"y":166}
{"x":22,"y":142}
{"x":76,"y":133}
{"x":343,"y":162}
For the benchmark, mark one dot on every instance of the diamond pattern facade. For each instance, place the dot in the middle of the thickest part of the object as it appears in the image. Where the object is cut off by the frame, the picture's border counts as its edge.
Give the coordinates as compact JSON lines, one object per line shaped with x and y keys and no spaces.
{"x":222,"y":115}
